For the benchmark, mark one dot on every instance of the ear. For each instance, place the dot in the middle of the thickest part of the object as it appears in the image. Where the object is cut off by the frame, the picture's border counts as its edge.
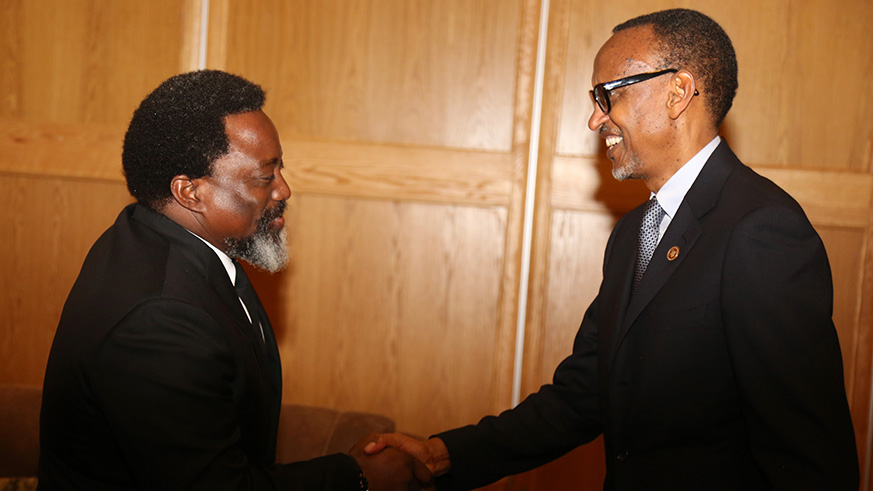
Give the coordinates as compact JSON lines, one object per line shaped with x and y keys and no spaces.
{"x":682,"y":91}
{"x":187,"y":192}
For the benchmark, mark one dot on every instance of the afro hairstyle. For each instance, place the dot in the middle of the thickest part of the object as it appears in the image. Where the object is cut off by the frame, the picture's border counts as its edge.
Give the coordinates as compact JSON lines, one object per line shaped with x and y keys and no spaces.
{"x":178,"y":129}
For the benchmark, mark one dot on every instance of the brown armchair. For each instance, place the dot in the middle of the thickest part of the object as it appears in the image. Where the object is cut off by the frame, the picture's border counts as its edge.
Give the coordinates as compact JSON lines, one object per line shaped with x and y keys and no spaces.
{"x":305,"y":432}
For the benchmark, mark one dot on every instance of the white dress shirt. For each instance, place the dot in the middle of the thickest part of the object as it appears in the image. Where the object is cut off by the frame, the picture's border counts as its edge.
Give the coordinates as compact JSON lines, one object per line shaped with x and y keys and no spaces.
{"x":672,"y":193}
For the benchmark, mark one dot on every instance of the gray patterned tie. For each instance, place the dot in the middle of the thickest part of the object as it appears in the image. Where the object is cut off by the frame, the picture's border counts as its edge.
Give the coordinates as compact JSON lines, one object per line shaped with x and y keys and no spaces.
{"x":648,"y":238}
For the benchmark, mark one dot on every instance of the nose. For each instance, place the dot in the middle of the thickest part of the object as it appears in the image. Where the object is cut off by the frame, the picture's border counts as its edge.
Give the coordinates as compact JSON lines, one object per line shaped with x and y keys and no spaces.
{"x":598,"y":117}
{"x":281,"y":190}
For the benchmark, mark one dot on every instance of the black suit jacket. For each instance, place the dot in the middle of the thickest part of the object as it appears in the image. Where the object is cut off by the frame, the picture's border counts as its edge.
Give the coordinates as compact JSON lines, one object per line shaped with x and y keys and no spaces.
{"x":156,"y":379}
{"x":722,"y":372}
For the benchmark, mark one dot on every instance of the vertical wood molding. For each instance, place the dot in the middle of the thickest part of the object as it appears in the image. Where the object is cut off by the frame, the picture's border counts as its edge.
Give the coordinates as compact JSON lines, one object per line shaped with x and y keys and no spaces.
{"x":553,"y":88}
{"x":192,"y":28}
{"x":524,"y":96}
{"x":219,"y":13}
{"x":530,"y":201}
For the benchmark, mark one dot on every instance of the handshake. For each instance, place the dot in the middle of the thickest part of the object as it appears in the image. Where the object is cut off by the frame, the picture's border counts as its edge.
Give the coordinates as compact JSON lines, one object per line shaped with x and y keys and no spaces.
{"x":396,"y":462}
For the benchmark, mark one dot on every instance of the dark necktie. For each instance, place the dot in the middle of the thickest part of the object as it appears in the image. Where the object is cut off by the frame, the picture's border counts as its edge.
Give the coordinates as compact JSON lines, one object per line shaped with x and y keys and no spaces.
{"x":649,"y":230}
{"x":247,"y":295}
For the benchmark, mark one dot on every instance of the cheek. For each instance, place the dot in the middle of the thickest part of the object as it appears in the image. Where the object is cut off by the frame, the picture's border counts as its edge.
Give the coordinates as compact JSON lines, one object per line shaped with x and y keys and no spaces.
{"x":643,"y":127}
{"x":237,"y":210}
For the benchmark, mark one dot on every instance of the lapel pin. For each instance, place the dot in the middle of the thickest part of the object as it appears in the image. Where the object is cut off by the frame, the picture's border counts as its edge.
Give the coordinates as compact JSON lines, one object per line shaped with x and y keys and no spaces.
{"x":673,"y":253}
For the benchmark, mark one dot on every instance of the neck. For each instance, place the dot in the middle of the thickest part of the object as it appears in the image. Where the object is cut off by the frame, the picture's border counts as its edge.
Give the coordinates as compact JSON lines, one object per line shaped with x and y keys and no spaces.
{"x":683,"y":145}
{"x":191,"y":221}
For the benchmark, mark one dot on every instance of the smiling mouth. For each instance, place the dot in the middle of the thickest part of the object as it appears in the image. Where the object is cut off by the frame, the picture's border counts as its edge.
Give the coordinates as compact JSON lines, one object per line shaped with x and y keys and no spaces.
{"x":612,"y":141}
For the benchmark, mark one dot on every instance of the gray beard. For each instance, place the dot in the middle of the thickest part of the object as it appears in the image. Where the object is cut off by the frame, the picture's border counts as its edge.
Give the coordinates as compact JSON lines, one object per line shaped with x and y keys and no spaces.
{"x":628,"y":171}
{"x":264,"y":250}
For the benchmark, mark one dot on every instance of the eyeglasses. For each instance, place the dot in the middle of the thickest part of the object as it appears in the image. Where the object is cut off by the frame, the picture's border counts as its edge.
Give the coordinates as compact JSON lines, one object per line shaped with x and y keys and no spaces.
{"x":600,"y":93}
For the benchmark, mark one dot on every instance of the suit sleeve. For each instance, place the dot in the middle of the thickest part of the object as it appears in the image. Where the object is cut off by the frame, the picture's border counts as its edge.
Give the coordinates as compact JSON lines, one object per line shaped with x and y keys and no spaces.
{"x":164,"y":379}
{"x":547,"y":424}
{"x":777,"y":304}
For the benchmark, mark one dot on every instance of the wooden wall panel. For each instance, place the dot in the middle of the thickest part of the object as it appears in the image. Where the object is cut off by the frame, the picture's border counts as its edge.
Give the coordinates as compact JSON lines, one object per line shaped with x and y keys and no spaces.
{"x":575,"y":263}
{"x":49,"y":225}
{"x":844,"y":248}
{"x":75,"y":61}
{"x":391,"y":307}
{"x":792,"y":55}
{"x":437,"y":73}
{"x":405,"y":127}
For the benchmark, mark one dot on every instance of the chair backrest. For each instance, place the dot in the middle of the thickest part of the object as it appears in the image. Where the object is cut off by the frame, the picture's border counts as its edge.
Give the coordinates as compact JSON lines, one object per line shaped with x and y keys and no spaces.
{"x":307,"y":432}
{"x":19,"y":430}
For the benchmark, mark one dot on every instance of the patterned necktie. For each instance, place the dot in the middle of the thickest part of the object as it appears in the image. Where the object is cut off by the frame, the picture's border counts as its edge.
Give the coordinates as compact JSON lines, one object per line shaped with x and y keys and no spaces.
{"x":249,"y":297}
{"x":649,"y":231}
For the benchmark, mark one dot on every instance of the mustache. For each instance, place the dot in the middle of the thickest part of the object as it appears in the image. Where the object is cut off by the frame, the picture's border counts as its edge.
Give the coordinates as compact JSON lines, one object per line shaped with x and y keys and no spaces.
{"x":272,"y":214}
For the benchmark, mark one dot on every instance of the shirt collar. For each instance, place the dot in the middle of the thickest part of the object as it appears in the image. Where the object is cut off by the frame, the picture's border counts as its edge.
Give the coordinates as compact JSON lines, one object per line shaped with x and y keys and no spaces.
{"x":672,"y":193}
{"x":226,"y":261}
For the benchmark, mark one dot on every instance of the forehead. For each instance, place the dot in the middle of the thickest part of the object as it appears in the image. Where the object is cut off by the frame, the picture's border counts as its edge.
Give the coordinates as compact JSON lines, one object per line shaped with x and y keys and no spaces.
{"x":253,"y":135}
{"x":627,"y":52}
{"x":253,"y":143}
{"x":251,"y":130}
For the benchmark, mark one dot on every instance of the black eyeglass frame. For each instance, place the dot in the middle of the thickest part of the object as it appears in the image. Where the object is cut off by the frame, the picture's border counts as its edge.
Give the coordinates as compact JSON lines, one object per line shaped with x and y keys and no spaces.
{"x":601,"y":91}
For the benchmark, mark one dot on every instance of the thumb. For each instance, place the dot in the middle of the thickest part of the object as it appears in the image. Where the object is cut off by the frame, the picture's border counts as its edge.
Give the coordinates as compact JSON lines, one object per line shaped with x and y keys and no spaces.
{"x":377,"y":445}
{"x":421,"y":473}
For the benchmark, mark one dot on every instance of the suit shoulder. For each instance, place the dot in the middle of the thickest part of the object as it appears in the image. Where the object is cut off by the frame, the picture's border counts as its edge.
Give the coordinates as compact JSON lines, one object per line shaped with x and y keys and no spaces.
{"x":746,"y":190}
{"x":130,"y":264}
{"x":758,"y":187}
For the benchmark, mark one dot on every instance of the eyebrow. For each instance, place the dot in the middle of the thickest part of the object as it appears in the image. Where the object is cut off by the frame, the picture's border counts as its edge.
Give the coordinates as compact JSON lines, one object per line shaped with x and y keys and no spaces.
{"x":272,"y":162}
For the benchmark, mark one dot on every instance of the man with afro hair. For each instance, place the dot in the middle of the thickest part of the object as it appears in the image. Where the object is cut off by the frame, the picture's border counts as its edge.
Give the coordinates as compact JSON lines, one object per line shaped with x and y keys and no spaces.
{"x":164,"y":373}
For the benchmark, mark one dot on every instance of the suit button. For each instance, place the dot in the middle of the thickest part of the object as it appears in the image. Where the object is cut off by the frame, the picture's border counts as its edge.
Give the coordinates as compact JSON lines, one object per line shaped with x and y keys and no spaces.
{"x":622,"y":456}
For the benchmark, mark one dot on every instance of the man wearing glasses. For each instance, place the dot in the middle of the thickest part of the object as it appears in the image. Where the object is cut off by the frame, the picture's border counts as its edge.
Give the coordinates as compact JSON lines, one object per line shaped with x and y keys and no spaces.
{"x":709,"y":359}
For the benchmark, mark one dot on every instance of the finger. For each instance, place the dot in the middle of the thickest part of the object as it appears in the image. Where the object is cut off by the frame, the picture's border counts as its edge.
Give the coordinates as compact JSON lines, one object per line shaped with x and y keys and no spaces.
{"x":373,"y":447}
{"x":380,"y":442}
{"x":385,"y":440}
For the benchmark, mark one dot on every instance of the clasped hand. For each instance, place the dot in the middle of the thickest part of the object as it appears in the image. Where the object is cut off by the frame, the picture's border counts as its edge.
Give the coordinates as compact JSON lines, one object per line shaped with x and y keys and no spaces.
{"x":390,"y":469}
{"x":432,"y":452}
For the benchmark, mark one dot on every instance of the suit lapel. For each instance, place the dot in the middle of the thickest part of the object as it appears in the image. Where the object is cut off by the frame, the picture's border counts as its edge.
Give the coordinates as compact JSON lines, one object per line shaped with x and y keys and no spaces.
{"x":620,"y":256}
{"x":268,"y":355}
{"x":677,"y":242}
{"x":681,"y":236}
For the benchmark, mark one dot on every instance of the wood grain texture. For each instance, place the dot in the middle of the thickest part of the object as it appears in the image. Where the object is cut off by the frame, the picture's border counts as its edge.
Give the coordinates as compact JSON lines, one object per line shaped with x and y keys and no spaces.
{"x":843,"y":246}
{"x":85,"y":61}
{"x":391,"y":307}
{"x":404,"y":173}
{"x":91,"y":151}
{"x":435,"y":73}
{"x":407,"y":103}
{"x":192,"y":29}
{"x":50,"y":224}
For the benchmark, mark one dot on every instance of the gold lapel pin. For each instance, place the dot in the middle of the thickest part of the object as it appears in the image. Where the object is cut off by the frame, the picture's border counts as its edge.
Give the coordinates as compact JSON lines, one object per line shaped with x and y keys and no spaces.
{"x":673,"y":253}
